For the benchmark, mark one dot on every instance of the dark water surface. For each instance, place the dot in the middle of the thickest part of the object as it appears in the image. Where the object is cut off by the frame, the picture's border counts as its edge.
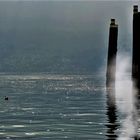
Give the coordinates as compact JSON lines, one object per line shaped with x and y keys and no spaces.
{"x":47,"y":106}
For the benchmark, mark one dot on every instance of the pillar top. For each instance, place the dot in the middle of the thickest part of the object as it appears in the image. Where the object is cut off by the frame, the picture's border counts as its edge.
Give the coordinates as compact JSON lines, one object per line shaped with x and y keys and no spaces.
{"x":135,"y":8}
{"x":112,"y":21}
{"x":113,"y":24}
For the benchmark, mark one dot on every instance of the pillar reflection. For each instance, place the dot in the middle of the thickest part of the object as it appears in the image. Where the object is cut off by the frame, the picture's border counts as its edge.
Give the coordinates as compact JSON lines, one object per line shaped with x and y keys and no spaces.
{"x":111,"y":113}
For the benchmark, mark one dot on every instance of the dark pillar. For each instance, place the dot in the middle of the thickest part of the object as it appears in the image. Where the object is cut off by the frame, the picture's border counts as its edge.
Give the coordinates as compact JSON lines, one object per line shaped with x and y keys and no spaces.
{"x":112,"y":51}
{"x":136,"y":61}
{"x":136,"y":47}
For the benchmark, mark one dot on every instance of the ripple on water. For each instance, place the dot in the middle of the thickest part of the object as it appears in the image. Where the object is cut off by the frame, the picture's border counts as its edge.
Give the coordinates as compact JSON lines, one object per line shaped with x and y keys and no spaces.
{"x":53,"y":107}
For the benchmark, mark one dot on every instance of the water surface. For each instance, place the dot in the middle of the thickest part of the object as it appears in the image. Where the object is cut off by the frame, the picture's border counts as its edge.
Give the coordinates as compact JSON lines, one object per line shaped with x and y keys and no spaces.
{"x":51,"y":106}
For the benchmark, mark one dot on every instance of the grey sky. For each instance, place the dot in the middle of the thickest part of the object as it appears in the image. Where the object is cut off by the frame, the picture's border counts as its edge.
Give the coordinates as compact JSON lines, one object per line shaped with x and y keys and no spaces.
{"x":60,"y":36}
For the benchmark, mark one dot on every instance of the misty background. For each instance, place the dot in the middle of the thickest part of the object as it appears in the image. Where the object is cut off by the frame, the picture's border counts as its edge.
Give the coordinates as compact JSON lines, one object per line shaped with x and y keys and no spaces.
{"x":61,"y":36}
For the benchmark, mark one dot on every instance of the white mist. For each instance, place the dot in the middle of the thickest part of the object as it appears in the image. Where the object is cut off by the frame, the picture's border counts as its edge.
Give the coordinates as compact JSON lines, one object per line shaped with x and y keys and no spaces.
{"x":125,"y":99}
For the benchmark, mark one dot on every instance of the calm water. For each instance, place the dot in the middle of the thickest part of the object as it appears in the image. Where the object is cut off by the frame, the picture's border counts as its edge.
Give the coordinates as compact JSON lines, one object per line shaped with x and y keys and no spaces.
{"x":56,"y":107}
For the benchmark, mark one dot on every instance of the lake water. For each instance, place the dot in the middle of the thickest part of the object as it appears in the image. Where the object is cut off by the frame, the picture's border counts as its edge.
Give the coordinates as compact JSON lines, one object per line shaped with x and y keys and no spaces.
{"x":56,"y":107}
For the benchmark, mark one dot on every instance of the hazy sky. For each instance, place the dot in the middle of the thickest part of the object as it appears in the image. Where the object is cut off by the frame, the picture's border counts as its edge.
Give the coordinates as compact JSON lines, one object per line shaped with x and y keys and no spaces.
{"x":75,"y":0}
{"x":60,"y":36}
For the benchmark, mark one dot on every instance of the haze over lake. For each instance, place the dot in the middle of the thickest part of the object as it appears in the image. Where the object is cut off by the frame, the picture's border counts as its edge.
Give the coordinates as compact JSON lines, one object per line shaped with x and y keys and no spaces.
{"x":53,"y":70}
{"x":60,"y":36}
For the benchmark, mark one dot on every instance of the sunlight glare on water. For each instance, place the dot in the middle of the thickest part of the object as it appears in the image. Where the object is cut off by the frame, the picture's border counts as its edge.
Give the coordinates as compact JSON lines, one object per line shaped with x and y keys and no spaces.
{"x":52,"y":106}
